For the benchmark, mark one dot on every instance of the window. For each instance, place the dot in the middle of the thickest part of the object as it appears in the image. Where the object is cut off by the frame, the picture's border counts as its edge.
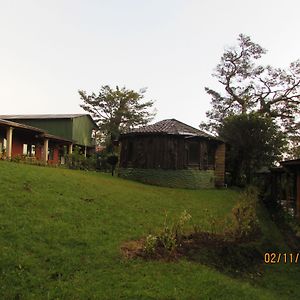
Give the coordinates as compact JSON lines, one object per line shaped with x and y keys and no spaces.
{"x":50,"y":153}
{"x":32,"y":150}
{"x":193,"y":153}
{"x":28,"y":150}
{"x":25,"y":147}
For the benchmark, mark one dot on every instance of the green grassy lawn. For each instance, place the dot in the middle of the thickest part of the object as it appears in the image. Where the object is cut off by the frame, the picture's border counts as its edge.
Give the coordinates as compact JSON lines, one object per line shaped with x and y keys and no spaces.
{"x":61,"y":232}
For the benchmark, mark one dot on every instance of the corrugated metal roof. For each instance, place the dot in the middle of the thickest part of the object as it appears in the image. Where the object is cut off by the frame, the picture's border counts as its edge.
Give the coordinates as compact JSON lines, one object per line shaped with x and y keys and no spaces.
{"x":46,"y":117}
{"x":42,"y":116}
{"x":41,"y":133}
{"x":170,"y":126}
{"x":18,"y":125}
{"x":55,"y":137}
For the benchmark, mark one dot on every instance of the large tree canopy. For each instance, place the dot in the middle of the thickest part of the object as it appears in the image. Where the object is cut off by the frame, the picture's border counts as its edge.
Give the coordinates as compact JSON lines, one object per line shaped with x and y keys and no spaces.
{"x":255,"y":141}
{"x":115,"y":110}
{"x":250,"y":87}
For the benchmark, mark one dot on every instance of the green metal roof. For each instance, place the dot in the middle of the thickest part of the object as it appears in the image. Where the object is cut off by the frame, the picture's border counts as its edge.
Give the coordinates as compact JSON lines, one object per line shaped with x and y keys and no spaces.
{"x":74,"y":127}
{"x":46,"y":116}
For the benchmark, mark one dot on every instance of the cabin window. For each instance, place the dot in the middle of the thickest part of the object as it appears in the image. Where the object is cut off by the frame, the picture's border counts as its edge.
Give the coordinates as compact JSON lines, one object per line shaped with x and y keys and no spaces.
{"x":193,"y":153}
{"x":130,"y":151}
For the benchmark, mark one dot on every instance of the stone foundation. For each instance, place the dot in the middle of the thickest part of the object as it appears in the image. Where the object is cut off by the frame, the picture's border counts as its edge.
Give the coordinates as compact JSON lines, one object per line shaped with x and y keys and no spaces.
{"x":187,"y":179}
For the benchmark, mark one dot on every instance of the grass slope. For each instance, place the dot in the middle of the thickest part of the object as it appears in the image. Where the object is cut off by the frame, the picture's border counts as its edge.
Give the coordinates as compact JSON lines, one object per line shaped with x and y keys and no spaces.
{"x":61,"y":231}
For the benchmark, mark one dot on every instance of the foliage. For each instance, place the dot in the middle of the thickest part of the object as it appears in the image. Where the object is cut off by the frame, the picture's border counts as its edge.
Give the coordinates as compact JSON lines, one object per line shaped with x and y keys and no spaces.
{"x":243,"y":223}
{"x":112,"y":159}
{"x":32,"y":160}
{"x":250,"y":87}
{"x":116,"y":110}
{"x":169,"y":237}
{"x":150,"y":244}
{"x":254,"y":141}
{"x":77,"y":160}
{"x":239,"y":226}
{"x":101,"y":164}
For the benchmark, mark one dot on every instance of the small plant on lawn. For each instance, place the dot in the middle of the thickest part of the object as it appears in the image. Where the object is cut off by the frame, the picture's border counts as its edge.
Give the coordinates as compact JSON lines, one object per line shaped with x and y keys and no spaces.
{"x":169,"y":237}
{"x":150,"y":244}
{"x":179,"y":226}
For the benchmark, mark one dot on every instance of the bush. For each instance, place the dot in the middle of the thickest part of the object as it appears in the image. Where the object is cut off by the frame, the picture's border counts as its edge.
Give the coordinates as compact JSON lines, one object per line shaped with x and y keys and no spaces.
{"x":169,"y":237}
{"x":101,"y":161}
{"x":150,"y":244}
{"x":240,"y":227}
{"x":243,"y":224}
{"x":76,"y":160}
{"x":112,"y":159}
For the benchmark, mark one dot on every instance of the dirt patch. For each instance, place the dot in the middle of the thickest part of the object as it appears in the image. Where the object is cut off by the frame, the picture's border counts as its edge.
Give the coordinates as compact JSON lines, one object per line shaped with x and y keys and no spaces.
{"x":231,"y":257}
{"x":132,"y":249}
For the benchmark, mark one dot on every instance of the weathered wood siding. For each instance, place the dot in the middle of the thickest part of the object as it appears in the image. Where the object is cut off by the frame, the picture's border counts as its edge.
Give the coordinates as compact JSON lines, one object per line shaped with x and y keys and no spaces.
{"x":165,"y":152}
{"x":220,"y":165}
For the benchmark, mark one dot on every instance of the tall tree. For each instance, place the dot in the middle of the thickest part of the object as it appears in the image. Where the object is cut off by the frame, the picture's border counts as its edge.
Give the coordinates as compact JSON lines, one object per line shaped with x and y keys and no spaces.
{"x":250,"y":87}
{"x":255,"y":141}
{"x":117,"y":109}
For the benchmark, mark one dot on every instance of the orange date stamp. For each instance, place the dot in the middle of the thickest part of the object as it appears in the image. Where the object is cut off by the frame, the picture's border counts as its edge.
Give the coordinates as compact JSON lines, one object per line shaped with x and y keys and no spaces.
{"x":276,"y":258}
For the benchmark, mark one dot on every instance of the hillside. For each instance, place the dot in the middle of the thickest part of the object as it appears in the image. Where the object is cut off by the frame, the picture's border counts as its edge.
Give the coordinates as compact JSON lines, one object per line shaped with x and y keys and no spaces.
{"x":61,"y":232}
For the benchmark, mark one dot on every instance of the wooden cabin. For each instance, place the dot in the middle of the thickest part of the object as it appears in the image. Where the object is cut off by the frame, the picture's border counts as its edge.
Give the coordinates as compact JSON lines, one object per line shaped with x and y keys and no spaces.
{"x":174,"y":154}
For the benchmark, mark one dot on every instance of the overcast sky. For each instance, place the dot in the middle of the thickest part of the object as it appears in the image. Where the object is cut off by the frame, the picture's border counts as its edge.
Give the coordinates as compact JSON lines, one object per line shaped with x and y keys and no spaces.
{"x":51,"y":49}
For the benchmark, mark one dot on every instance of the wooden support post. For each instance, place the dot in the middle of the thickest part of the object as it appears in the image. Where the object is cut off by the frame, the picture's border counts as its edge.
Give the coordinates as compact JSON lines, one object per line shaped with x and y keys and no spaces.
{"x":71,"y":149}
{"x":9,"y":136}
{"x":220,"y":165}
{"x":84,"y":151}
{"x":298,"y":196}
{"x":287,"y":192}
{"x":45,"y":151}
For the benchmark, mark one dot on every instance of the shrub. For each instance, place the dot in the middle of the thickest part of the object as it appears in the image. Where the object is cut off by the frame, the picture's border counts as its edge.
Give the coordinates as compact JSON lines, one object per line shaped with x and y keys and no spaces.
{"x":76,"y":160}
{"x":169,"y":238}
{"x":112,"y":159}
{"x":101,"y":161}
{"x":243,"y":224}
{"x":150,"y":244}
{"x":17,"y":158}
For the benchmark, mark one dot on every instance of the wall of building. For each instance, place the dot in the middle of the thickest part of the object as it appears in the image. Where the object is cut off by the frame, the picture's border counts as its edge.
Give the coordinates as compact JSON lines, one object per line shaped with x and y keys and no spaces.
{"x":188,"y":179}
{"x":17,"y":146}
{"x":165,"y":152}
{"x":59,"y":127}
{"x":55,"y":159}
{"x":82,"y":130}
